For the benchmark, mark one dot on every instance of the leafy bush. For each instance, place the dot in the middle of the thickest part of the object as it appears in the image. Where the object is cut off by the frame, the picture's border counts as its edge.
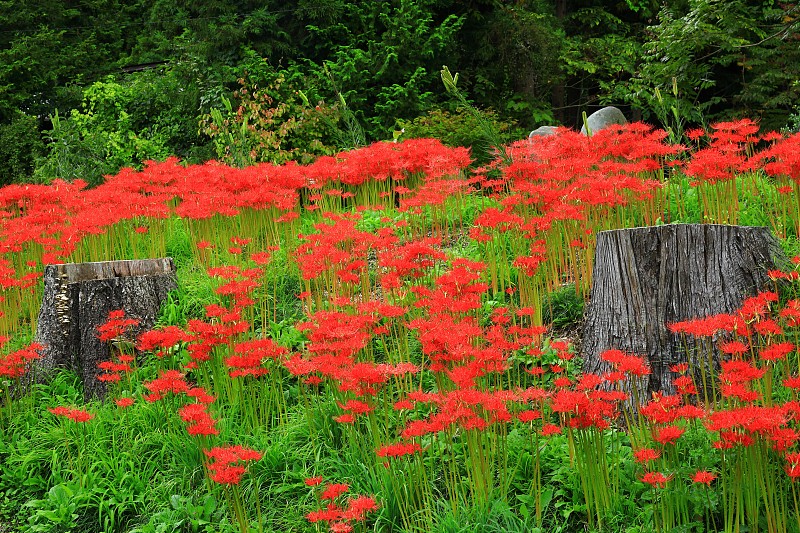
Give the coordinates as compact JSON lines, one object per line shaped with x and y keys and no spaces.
{"x":270,"y":120}
{"x":563,"y":308}
{"x":20,"y":145}
{"x":100,"y":138}
{"x":460,"y":128}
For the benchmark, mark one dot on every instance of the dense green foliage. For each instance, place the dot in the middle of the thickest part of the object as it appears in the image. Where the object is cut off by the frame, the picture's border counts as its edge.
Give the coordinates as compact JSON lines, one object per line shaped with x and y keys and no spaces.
{"x":130,"y":81}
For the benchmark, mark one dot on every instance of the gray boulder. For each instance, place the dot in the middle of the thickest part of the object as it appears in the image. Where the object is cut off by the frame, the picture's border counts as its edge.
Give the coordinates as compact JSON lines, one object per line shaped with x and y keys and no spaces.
{"x":604,"y":118}
{"x":543,"y":131}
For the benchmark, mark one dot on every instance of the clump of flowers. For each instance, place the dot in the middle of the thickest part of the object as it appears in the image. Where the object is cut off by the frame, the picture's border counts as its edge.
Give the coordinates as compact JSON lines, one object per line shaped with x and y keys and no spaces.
{"x":340,"y":515}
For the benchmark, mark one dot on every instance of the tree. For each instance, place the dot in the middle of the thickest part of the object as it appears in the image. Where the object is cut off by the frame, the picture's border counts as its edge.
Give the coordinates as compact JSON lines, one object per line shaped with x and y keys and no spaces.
{"x":723,"y":58}
{"x":46,"y":46}
{"x":384,"y":58}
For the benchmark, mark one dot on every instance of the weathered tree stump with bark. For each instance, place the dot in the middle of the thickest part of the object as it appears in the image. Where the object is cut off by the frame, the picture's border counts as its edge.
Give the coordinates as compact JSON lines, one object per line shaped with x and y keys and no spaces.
{"x":647,"y":278}
{"x":78,"y":298}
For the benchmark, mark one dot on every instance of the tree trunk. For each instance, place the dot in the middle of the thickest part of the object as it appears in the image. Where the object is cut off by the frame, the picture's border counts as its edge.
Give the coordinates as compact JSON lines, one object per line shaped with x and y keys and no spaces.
{"x":78,"y":298}
{"x":647,"y":278}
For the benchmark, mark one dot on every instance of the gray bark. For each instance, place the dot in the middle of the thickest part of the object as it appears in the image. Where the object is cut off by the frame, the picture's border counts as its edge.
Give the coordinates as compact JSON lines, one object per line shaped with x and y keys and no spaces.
{"x":646,"y":278}
{"x":78,"y":298}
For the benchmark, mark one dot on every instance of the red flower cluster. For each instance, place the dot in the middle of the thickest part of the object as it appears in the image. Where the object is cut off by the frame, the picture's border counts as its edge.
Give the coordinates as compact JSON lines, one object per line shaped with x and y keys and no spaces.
{"x":228,"y":463}
{"x":339,"y":518}
{"x":116,"y":326}
{"x":73,"y":413}
{"x":14,"y":364}
{"x":251,"y":355}
{"x":398,"y":449}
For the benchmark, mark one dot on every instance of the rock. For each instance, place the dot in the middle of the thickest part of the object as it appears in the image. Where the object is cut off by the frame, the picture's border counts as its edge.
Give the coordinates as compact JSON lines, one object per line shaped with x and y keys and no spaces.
{"x":604,"y":118}
{"x":543,"y":131}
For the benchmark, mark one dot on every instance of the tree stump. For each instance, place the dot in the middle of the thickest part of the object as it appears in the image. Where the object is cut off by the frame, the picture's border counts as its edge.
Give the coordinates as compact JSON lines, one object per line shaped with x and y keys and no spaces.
{"x":647,"y":278}
{"x":78,"y":298}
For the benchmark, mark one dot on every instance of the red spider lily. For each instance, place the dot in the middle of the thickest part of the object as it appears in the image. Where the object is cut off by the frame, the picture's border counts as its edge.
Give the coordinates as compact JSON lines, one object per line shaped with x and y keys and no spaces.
{"x":782,"y":158}
{"x":330,"y":514}
{"x":585,"y":410}
{"x":411,"y":259}
{"x":758,"y":305}
{"x":116,"y":326}
{"x":782,"y":438}
{"x":124,"y":402}
{"x":73,"y":413}
{"x":361,"y":378}
{"x":695,"y":133}
{"x":662,"y":409}
{"x":335,"y":248}
{"x":111,"y":366}
{"x":418,"y":428}
{"x":656,"y":479}
{"x":562,"y":382}
{"x":776,"y":352}
{"x":714,"y":164}
{"x":775,"y":275}
{"x":333,"y":490}
{"x":739,"y":372}
{"x":207,"y":336}
{"x":735,"y":348}
{"x":14,"y":364}
{"x":755,"y":420}
{"x":456,"y":291}
{"x":733,"y":438}
{"x":399,"y":449}
{"x":169,"y":381}
{"x":529,"y":415}
{"x":684,"y":385}
{"x":159,"y":340}
{"x":337,"y":335}
{"x":250,"y":355}
{"x":791,"y":313}
{"x":312,"y":380}
{"x":668,"y":434}
{"x":358,"y":507}
{"x":403,"y":405}
{"x":628,"y":364}
{"x":679,"y":368}
{"x":313,"y":481}
{"x":201,"y":395}
{"x":645,"y":455}
{"x":501,"y":220}
{"x":793,"y":465}
{"x":226,"y":467}
{"x":710,"y":326}
{"x":198,"y":420}
{"x":340,"y":527}
{"x":356,"y":407}
{"x":298,"y":366}
{"x":740,"y":392}
{"x":704,"y":477}
{"x":588,"y":382}
{"x":792,"y":382}
{"x":347,"y":418}
{"x":767,"y":327}
{"x":614,"y":377}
